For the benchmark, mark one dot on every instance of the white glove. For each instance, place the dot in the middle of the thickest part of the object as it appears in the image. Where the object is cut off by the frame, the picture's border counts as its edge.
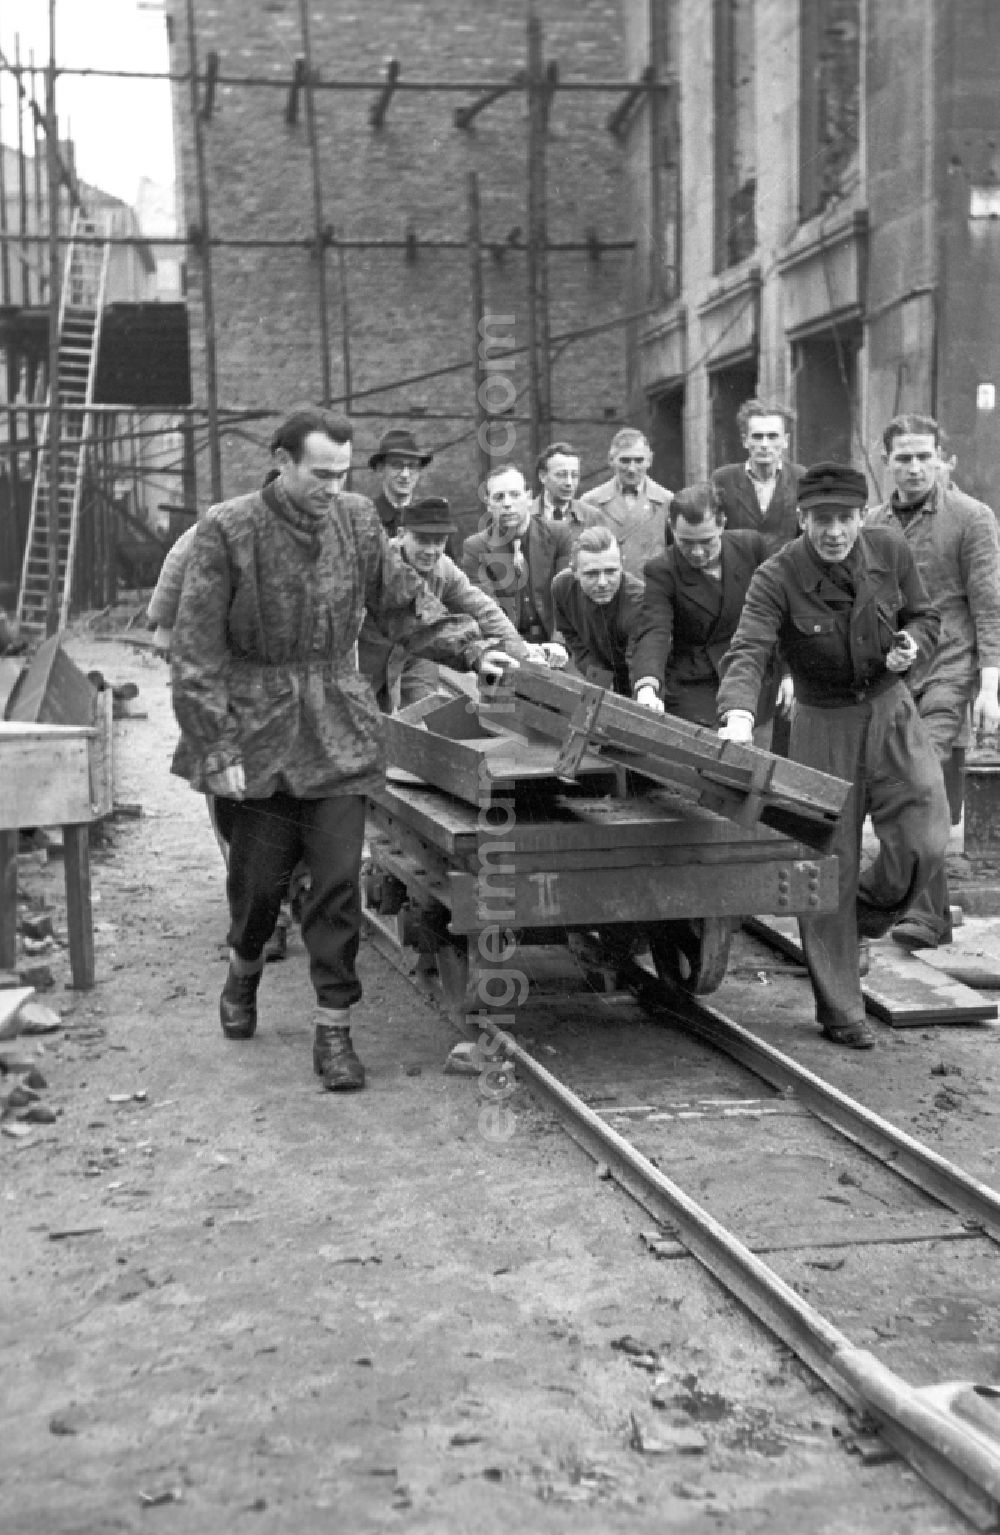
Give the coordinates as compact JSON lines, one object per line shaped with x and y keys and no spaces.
{"x":556,"y":655}
{"x":228,"y":783}
{"x":738,"y":727}
{"x":786,"y":696}
{"x":650,"y":699}
{"x":493,"y":663}
{"x":903,"y":653}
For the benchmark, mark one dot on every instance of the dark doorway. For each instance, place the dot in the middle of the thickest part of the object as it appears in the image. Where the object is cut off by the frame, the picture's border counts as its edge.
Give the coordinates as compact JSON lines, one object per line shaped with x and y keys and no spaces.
{"x":728,"y":388}
{"x":826,"y":382}
{"x":666,"y":437}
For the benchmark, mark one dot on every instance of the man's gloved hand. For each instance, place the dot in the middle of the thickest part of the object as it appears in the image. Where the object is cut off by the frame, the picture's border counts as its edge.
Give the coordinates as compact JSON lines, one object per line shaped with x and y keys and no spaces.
{"x":738,"y":727}
{"x":650,"y":699}
{"x":903,"y":653}
{"x":227,"y":783}
{"x":786,"y":696}
{"x":556,"y":655}
{"x":493,"y":663}
{"x":986,"y":709}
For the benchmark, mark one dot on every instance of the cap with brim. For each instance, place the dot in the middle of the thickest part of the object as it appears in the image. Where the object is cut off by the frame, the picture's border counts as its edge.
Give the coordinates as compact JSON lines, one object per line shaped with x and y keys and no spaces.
{"x":830,"y":484}
{"x":432,"y":515}
{"x":399,"y":440}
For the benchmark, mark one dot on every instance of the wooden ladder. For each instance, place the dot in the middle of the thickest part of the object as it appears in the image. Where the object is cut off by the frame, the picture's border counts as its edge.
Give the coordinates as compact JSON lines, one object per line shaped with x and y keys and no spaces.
{"x":80,"y":311}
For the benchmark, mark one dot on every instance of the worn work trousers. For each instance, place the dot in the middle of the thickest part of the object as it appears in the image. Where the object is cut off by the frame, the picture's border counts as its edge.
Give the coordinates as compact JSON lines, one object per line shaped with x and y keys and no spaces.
{"x":268,"y":838}
{"x":882,"y":747}
{"x":944,"y":708}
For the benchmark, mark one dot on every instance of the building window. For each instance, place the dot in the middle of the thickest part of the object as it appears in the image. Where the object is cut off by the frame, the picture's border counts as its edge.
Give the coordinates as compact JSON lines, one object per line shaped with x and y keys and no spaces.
{"x":830,"y":54}
{"x":735,"y":132}
{"x":665,"y":151}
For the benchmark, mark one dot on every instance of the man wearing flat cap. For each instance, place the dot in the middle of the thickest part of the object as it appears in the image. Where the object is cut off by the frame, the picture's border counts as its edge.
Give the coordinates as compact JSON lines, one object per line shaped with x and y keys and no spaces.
{"x":846,"y":605}
{"x":424,"y":532}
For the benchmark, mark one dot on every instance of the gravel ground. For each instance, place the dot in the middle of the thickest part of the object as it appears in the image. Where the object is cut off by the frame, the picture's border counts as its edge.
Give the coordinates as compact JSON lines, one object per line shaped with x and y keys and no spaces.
{"x":238,"y":1302}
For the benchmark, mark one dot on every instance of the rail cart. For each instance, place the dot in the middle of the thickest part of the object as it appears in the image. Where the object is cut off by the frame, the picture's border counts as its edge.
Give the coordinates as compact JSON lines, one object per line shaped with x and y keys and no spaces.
{"x":551,"y":811}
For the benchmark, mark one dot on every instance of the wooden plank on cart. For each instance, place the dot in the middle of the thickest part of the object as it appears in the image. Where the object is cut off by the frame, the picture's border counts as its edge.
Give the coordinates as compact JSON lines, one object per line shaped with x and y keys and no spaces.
{"x":54,"y":691}
{"x":899,"y":989}
{"x":477,"y":766}
{"x":730,"y":778}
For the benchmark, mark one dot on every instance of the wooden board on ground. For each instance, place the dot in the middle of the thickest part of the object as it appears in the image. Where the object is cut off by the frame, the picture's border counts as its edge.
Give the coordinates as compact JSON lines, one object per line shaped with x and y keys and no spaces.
{"x":11,"y":1003}
{"x":970,"y":966}
{"x":899,"y":989}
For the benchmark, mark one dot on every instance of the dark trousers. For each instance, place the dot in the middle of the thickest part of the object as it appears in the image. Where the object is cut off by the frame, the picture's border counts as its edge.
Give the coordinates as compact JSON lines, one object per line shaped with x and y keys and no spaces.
{"x":268,"y":837}
{"x":944,"y":708}
{"x":882,"y":747}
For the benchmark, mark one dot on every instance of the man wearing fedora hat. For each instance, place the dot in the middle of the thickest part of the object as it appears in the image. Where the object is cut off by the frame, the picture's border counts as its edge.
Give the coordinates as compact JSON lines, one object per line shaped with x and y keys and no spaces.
{"x":847,"y":608}
{"x":400,"y":461}
{"x":426,"y":526}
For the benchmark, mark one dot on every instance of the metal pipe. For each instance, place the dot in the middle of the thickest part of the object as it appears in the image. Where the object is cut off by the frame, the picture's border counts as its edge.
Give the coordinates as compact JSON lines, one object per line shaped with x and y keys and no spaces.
{"x":539,"y":342}
{"x":55,"y":421}
{"x":317,"y":189}
{"x":305,"y":242}
{"x":482,"y":415}
{"x":208,"y":306}
{"x":181,"y":77}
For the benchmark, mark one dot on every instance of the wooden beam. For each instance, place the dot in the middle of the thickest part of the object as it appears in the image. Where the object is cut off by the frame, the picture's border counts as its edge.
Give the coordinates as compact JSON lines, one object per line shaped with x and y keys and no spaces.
{"x":79,"y":920}
{"x":619,"y":120}
{"x":380,"y":107}
{"x":466,"y":116}
{"x":294,"y":90}
{"x":8,"y":898}
{"x":211,"y":80}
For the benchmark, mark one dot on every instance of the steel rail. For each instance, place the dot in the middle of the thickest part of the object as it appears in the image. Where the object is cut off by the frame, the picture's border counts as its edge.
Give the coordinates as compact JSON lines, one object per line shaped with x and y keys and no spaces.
{"x":957,"y":1458}
{"x":934,"y":1175}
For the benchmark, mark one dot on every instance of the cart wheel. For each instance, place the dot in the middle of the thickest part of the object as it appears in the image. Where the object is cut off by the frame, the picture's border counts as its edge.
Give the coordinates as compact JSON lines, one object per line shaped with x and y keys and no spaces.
{"x":693,"y":953}
{"x":453,"y":984}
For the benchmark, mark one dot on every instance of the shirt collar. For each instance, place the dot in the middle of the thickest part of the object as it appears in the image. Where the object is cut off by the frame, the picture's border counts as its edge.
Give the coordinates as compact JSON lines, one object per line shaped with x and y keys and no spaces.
{"x":751,"y":471}
{"x":929,"y":503}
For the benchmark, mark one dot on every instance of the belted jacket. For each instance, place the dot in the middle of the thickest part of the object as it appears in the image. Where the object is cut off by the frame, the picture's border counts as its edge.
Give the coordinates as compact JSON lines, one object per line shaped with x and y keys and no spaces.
{"x":833,"y":644}
{"x":264,"y":660}
{"x":954,"y":542}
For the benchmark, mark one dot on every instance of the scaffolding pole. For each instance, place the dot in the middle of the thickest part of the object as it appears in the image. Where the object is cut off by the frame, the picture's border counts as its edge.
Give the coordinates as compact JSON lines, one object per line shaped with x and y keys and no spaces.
{"x":478,"y":330}
{"x":55,"y":413}
{"x":208,"y":305}
{"x":317,"y":187}
{"x":539,"y":353}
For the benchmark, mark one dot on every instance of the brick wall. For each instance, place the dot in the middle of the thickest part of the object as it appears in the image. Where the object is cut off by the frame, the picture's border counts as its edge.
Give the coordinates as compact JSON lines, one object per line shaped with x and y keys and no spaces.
{"x":403,"y":317}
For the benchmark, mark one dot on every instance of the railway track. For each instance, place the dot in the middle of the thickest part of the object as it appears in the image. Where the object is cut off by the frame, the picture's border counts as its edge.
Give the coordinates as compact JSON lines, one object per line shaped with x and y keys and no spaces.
{"x":847,"y":1207}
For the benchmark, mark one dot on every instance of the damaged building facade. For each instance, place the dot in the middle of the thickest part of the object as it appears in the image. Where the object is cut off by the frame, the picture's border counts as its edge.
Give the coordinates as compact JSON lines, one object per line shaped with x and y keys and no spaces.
{"x":816,"y":194}
{"x":352,"y":131}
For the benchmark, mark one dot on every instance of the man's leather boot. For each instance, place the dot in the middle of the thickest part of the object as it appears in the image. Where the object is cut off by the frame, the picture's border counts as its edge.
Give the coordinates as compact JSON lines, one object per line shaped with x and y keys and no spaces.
{"x":238,"y":1004}
{"x":333,"y":1053}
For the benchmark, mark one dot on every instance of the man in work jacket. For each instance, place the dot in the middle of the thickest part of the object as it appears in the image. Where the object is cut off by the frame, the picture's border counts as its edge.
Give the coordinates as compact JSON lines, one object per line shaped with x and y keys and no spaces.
{"x":597,"y":606}
{"x":693,"y":601}
{"x":761,"y":494}
{"x":423,"y":535}
{"x":953,"y":540}
{"x":275,"y":716}
{"x":515,"y":556}
{"x":849,"y":611}
{"x":631,"y":505}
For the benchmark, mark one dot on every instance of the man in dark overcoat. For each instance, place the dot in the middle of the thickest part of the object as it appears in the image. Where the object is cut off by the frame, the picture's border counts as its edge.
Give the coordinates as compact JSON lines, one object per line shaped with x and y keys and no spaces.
{"x":850,"y":613}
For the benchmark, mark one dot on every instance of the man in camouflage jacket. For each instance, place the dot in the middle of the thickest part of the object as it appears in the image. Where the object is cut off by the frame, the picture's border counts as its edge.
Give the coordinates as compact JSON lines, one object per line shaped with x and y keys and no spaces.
{"x":275,"y":716}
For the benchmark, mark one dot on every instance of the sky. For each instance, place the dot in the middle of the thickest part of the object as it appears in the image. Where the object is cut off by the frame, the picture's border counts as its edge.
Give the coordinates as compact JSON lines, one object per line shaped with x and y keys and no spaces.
{"x":121,"y":128}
